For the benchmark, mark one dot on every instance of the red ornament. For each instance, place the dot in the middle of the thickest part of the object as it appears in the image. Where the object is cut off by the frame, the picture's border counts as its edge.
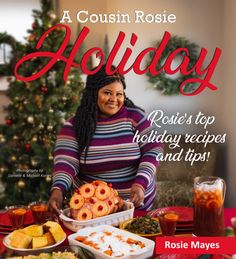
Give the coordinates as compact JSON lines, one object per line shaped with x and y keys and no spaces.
{"x":34,"y":26}
{"x":9,"y":121}
{"x":27,"y":147}
{"x":44,"y":89}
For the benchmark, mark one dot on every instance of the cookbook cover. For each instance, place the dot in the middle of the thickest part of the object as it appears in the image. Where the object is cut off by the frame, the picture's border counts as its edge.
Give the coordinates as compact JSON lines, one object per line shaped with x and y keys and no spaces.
{"x":177,"y":58}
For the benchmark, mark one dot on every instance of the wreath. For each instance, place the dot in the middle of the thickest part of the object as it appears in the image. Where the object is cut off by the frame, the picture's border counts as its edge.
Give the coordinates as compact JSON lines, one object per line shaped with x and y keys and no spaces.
{"x":8,"y":69}
{"x":167,"y":85}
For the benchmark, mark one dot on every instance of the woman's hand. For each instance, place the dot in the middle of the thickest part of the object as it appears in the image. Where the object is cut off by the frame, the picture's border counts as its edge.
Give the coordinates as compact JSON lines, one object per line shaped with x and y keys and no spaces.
{"x":55,"y":201}
{"x":137,"y":195}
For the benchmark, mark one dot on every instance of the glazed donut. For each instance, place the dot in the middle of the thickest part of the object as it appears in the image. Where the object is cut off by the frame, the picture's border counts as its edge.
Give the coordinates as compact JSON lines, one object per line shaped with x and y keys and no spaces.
{"x":84,"y":214}
{"x":111,"y":204}
{"x":87,"y":190}
{"x":103,"y":192}
{"x":100,"y":209}
{"x":76,"y":201}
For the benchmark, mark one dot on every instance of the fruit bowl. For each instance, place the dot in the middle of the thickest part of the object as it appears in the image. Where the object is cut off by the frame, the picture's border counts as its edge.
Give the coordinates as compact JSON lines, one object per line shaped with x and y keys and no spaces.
{"x":112,"y":219}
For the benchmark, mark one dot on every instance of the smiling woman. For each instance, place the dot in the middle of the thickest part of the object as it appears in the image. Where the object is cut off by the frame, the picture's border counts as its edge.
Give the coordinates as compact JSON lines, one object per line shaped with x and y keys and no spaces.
{"x":97,"y":144}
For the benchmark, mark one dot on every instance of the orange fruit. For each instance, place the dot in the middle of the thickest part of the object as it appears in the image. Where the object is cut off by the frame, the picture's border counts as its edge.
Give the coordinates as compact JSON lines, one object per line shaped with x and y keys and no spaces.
{"x":213,"y":203}
{"x":171,"y":216}
{"x":19,"y":211}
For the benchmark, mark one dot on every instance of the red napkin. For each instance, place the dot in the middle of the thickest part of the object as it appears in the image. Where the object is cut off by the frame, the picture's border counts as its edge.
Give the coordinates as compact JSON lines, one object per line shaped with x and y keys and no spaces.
{"x":5,"y":221}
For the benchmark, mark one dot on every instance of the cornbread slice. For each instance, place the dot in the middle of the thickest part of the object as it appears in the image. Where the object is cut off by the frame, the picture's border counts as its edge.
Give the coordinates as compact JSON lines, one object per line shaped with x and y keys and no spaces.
{"x":57,"y":232}
{"x":50,"y":223}
{"x":34,"y":231}
{"x":20,"y":240}
{"x":50,"y":238}
{"x":39,"y":242}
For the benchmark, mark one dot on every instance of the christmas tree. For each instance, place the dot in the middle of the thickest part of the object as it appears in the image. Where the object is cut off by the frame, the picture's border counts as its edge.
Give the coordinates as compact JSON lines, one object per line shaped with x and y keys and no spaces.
{"x":36,"y":112}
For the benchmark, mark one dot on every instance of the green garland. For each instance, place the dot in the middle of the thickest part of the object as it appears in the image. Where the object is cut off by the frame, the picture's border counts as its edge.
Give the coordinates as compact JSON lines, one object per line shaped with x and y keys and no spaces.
{"x":167,"y":85}
{"x":8,"y":69}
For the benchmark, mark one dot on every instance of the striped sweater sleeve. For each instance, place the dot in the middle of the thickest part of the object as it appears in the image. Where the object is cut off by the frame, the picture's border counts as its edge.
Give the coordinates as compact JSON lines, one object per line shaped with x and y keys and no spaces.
{"x":66,"y":161}
{"x":149,"y":151}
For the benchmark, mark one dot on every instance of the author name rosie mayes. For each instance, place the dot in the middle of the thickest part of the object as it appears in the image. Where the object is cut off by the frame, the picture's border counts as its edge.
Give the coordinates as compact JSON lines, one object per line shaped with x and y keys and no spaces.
{"x":83,"y":16}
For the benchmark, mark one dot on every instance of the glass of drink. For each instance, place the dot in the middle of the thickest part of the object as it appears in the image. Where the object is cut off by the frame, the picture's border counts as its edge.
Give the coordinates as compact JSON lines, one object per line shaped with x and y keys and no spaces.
{"x":209,"y":194}
{"x":39,"y":211}
{"x":168,"y":222}
{"x":17,"y":214}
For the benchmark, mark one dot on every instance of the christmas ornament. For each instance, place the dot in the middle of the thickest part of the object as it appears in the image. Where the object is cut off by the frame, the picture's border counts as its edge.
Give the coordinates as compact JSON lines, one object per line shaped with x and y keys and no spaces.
{"x":48,"y":178}
{"x":27,"y":147}
{"x":52,"y":15}
{"x":41,"y":126}
{"x":52,"y":77}
{"x":50,"y":156}
{"x":51,"y":110}
{"x":74,"y":98}
{"x":44,"y":89}
{"x":46,"y":142}
{"x":34,"y":161}
{"x":38,"y":100}
{"x":13,"y":158}
{"x":34,"y":26}
{"x":2,"y":138}
{"x":27,"y":84}
{"x":26,"y":102}
{"x":21,"y":184}
{"x":30,"y":119}
{"x":50,"y":127}
{"x":31,"y":37}
{"x":2,"y":170}
{"x":9,"y":121}
{"x":34,"y":139}
{"x":64,"y":98}
{"x":16,"y":98}
{"x":15,"y":137}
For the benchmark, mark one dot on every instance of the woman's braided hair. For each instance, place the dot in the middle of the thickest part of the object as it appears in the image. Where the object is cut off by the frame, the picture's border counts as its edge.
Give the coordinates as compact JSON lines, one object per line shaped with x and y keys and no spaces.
{"x":86,"y":115}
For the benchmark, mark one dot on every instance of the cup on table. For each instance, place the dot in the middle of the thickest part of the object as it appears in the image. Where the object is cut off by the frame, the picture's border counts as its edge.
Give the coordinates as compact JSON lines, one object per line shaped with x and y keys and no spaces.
{"x":168,"y":221}
{"x":39,"y":211}
{"x":16,"y":215}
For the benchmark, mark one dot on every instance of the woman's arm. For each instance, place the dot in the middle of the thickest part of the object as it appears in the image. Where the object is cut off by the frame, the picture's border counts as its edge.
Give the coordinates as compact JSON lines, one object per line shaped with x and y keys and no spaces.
{"x":149,"y":151}
{"x":66,"y":164}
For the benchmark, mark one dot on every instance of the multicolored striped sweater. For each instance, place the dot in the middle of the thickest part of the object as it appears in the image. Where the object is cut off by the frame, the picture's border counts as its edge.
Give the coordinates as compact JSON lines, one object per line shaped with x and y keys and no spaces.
{"x":112,"y":156}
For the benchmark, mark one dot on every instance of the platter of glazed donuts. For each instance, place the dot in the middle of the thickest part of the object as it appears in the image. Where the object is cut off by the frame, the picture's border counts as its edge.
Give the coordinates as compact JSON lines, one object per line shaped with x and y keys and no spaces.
{"x":94,"y":204}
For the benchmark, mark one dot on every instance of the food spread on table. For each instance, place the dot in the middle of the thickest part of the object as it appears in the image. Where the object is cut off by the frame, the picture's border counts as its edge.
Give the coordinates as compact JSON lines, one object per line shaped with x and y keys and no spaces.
{"x":93,"y":200}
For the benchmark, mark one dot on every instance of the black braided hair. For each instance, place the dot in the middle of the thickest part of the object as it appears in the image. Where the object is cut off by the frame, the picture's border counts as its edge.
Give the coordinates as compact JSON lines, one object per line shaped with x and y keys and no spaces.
{"x":86,"y":115}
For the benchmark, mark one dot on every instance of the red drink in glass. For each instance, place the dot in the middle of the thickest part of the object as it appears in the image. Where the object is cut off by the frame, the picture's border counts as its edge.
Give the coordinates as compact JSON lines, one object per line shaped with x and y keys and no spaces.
{"x":168,"y":222}
{"x":39,"y":211}
{"x":17,"y":216}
